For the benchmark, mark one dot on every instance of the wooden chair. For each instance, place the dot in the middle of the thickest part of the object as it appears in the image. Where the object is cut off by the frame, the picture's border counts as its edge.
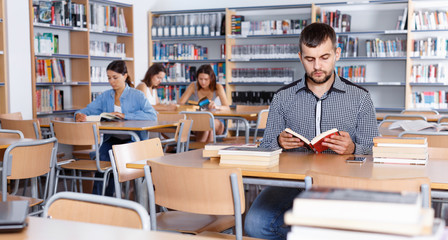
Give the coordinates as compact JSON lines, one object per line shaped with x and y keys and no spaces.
{"x":435,"y":139}
{"x":7,"y":133}
{"x":420,"y":112}
{"x":29,"y":128}
{"x":404,"y":117}
{"x":192,"y":193}
{"x":80,"y":134}
{"x":121,"y":154}
{"x":13,"y":116}
{"x":393,"y":185}
{"x":202,"y":121}
{"x":96,"y":209}
{"x":181,"y":136}
{"x":261,"y":122}
{"x":383,"y":128}
{"x":29,"y":160}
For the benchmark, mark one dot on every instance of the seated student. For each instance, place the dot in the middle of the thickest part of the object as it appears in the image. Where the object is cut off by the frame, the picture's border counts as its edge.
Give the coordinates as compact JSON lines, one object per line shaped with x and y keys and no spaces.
{"x":318,"y":102}
{"x":122,"y":101}
{"x":206,"y":87}
{"x":153,"y":77}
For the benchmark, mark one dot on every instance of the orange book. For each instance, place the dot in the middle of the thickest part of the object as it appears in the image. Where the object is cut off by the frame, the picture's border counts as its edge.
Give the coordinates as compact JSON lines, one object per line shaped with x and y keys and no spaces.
{"x":315,"y":144}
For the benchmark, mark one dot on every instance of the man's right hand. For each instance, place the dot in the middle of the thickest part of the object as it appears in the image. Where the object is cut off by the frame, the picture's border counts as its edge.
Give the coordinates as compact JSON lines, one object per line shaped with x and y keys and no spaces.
{"x":287,"y":141}
{"x":80,"y":117}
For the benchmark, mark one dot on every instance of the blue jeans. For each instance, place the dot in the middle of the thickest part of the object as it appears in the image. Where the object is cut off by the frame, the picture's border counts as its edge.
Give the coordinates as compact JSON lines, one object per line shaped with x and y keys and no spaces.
{"x":104,"y":156}
{"x":265,"y":217}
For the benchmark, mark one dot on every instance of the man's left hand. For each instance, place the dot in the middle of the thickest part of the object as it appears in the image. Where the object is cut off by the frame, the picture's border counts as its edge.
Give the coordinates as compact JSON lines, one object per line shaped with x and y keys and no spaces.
{"x":341,"y":144}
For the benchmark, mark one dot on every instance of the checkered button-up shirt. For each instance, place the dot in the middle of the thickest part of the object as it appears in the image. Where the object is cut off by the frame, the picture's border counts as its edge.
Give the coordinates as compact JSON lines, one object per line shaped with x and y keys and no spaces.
{"x":346,"y":106}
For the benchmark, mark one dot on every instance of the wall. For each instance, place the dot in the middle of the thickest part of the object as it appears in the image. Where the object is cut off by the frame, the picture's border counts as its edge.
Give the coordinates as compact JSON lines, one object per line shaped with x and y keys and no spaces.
{"x":18,"y":39}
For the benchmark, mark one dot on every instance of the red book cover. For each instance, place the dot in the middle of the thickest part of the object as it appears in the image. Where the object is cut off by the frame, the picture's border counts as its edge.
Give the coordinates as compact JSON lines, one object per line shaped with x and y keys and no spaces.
{"x":316,"y":143}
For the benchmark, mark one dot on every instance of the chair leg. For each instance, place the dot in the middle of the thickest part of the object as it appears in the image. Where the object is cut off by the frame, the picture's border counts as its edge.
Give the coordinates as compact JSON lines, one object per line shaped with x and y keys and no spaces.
{"x":128,"y":188}
{"x":56,"y":181}
{"x":74,"y":187}
{"x":25,"y":186}
{"x":80,"y":182}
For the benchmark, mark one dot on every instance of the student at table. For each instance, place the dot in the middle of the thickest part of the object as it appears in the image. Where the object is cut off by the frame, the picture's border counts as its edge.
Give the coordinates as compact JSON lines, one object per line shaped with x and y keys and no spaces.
{"x":318,"y":102}
{"x":206,"y":86}
{"x":153,"y":77}
{"x":122,"y":101}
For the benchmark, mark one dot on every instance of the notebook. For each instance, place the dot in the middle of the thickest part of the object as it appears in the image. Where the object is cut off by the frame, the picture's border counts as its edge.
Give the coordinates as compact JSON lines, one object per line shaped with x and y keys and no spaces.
{"x":13,"y":215}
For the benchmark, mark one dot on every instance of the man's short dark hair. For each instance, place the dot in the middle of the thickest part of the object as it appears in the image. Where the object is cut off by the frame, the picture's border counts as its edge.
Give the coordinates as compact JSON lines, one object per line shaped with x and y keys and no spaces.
{"x":315,"y":34}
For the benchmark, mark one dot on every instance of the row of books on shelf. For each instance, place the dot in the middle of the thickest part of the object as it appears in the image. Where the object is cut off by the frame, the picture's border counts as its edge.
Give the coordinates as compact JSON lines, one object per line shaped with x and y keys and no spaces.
{"x":49,"y":99}
{"x":386,"y":48}
{"x":98,"y":74}
{"x":107,"y":49}
{"x":107,"y":18}
{"x":199,"y":24}
{"x":337,"y":213}
{"x":348,"y":45}
{"x":252,"y":97}
{"x":170,"y":94}
{"x":61,"y":13}
{"x":402,"y":20}
{"x":429,"y":73}
{"x":353,"y":73}
{"x":400,"y":150}
{"x":50,"y":70}
{"x":430,"y":99}
{"x":267,"y":27}
{"x":181,"y":51}
{"x":180,"y":72}
{"x":279,"y":75}
{"x":265,"y":51}
{"x":430,"y":47}
{"x":430,"y":20}
{"x":340,"y":22}
{"x":46,"y":43}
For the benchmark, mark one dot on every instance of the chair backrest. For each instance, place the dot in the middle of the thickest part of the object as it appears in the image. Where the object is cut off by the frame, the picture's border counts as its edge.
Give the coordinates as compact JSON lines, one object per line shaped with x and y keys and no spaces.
{"x":97,"y":209}
{"x":29,"y":159}
{"x":261,"y":122}
{"x":195,"y":190}
{"x":383,"y":128}
{"x":420,"y":112}
{"x":420,"y":184}
{"x":404,"y":117}
{"x":7,"y":133}
{"x":202,"y":121}
{"x":182,"y":135}
{"x":170,"y":116}
{"x":14,"y":116}
{"x":29,"y":128}
{"x":435,"y":139}
{"x":76,"y":133}
{"x":443,"y":119}
{"x":131,"y":152}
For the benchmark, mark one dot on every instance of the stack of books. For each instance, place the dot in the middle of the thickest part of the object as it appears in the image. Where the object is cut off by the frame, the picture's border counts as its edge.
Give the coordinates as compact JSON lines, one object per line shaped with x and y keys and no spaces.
{"x":249,"y":156}
{"x":329,"y":213}
{"x":400,"y":150}
{"x":211,"y":150}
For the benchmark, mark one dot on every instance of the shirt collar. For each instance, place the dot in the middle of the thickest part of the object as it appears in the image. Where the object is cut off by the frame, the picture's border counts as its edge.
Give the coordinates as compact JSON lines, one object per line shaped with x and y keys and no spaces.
{"x":125,"y":92}
{"x":338,"y":84}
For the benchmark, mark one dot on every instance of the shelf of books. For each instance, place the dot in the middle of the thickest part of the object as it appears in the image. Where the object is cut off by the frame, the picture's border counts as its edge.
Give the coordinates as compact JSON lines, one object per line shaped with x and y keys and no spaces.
{"x":3,"y":60}
{"x":73,"y":41}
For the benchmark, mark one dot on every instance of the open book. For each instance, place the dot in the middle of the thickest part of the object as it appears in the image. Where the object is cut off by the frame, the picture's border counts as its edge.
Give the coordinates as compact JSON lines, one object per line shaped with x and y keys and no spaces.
{"x":106,"y":117}
{"x":202,"y":103}
{"x":315,"y":144}
{"x":418,"y":125}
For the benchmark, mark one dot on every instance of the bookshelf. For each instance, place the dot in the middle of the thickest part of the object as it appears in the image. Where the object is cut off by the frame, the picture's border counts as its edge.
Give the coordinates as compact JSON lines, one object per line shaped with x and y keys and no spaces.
{"x":3,"y":60}
{"x":70,"y":55}
{"x":389,"y":75}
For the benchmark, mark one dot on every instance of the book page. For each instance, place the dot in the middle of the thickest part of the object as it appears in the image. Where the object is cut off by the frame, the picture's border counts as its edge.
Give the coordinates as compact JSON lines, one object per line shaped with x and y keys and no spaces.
{"x":304,"y":139}
{"x":413,"y":125}
{"x":324,"y":135}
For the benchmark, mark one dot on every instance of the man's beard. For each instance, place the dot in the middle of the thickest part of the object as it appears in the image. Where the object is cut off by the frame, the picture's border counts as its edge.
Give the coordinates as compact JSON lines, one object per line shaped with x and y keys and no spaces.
{"x":327,"y":77}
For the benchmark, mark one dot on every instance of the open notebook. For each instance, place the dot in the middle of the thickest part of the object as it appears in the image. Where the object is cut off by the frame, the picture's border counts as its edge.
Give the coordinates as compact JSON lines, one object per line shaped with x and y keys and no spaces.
{"x":13,"y":215}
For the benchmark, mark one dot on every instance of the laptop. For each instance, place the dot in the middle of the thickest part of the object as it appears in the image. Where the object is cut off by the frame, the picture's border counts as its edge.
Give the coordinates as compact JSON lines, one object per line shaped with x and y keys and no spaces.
{"x":13,"y":215}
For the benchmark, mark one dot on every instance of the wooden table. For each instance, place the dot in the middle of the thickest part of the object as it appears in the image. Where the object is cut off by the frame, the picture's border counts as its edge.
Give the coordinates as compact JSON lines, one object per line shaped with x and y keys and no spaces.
{"x":293,"y":166}
{"x":429,"y":117}
{"x":120,"y":127}
{"x":52,"y":229}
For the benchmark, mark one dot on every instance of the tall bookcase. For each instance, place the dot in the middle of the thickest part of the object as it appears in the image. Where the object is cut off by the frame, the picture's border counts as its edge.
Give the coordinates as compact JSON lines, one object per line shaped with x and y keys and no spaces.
{"x":81,"y":47}
{"x":388,"y":77}
{"x":3,"y":60}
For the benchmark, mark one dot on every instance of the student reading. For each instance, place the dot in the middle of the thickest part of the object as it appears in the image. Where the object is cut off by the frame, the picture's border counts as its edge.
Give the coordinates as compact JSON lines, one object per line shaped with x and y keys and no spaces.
{"x":206,"y":87}
{"x":153,"y":77}
{"x":123,"y":101}
{"x":319,"y":101}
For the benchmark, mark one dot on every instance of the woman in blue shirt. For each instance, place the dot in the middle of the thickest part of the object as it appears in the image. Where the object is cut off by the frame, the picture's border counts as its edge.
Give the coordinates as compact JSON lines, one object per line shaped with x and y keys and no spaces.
{"x":122,"y":101}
